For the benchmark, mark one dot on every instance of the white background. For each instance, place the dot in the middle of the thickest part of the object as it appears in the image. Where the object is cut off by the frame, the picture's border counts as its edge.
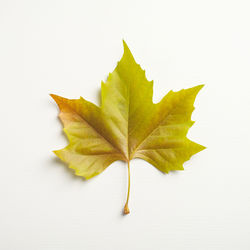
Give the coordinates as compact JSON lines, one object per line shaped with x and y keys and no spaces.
{"x":67,"y":48}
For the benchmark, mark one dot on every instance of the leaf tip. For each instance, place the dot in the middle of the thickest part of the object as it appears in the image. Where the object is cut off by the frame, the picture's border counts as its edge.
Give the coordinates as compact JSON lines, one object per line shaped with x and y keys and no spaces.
{"x":124,"y":43}
{"x":59,"y":100}
{"x":200,"y":148}
{"x":201,"y":86}
{"x":56,"y":152}
{"x":55,"y":97}
{"x":126,"y":50}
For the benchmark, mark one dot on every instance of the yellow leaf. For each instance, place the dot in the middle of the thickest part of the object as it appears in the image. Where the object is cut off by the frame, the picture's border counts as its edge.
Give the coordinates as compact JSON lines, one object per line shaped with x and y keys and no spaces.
{"x":128,"y":124}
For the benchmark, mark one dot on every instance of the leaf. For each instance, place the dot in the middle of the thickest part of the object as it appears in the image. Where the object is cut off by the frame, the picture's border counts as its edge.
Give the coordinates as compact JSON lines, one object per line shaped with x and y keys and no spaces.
{"x":128,"y":124}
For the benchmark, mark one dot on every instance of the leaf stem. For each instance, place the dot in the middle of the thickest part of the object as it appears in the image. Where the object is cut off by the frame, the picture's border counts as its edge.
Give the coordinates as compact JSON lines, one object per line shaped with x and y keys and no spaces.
{"x":126,"y":209}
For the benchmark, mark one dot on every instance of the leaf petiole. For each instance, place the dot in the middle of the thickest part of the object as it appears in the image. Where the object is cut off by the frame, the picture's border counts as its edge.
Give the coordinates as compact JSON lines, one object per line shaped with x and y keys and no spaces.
{"x":126,"y":209}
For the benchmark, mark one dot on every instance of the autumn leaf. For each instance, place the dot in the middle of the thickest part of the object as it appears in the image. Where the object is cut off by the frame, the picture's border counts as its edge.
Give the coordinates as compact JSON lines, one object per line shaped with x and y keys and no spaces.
{"x":128,"y":125}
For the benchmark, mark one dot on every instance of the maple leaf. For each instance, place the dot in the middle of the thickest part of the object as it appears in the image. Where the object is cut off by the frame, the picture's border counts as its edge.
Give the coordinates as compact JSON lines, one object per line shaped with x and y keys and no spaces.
{"x":127,"y":125}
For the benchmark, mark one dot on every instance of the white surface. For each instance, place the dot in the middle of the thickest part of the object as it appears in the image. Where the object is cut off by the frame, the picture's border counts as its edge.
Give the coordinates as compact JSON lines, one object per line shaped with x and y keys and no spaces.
{"x":67,"y":48}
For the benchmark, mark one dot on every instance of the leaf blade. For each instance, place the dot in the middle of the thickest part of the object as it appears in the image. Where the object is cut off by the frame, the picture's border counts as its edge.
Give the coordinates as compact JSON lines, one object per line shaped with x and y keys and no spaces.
{"x":166,"y":145}
{"x":89,"y":144}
